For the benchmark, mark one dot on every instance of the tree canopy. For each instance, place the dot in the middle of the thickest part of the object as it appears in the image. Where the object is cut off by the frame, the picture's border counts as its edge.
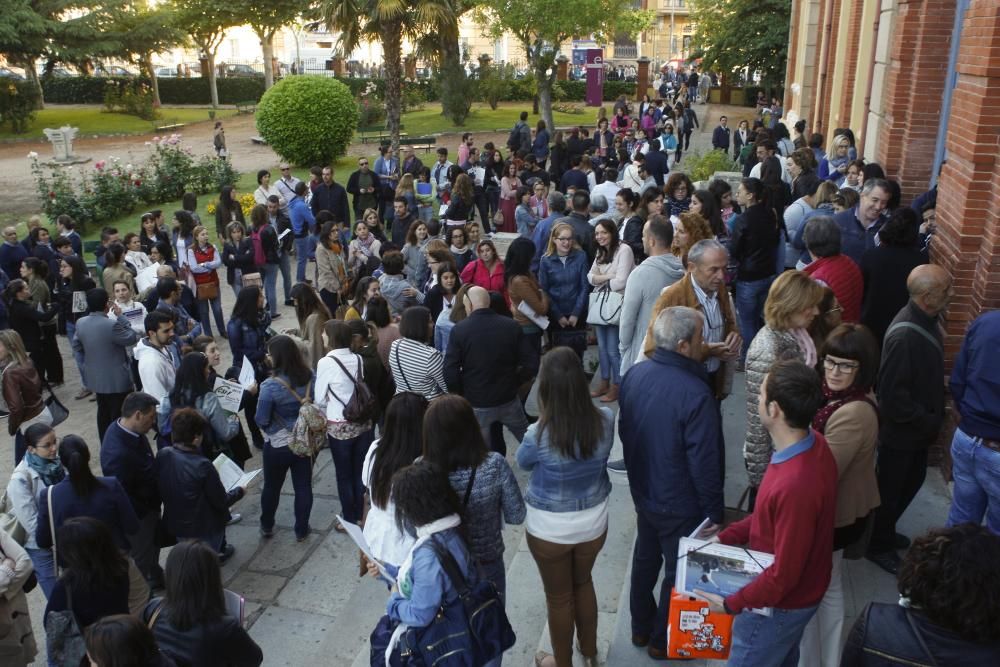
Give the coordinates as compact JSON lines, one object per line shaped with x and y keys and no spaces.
{"x":733,"y":34}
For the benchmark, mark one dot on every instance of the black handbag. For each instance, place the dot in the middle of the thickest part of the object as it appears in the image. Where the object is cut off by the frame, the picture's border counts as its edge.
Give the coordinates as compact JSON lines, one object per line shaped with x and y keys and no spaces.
{"x":468,"y":632}
{"x":57,"y":410}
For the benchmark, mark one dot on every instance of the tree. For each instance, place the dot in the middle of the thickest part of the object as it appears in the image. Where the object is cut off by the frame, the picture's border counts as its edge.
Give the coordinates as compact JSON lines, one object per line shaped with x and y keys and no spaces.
{"x":206,"y":21}
{"x":388,"y":22}
{"x":541,"y":26}
{"x":308,"y":120}
{"x":145,"y":31}
{"x":440,"y":46}
{"x":267,"y":18}
{"x":734,"y":34}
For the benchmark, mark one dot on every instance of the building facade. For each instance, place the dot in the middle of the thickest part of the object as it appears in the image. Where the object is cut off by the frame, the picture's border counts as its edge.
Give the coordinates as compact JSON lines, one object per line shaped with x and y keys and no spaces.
{"x":919,"y":83}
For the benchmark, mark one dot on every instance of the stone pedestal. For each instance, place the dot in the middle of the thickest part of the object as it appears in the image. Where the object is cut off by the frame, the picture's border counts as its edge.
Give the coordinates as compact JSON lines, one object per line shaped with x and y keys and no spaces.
{"x":642,"y":76}
{"x":562,"y":68}
{"x":62,"y":143}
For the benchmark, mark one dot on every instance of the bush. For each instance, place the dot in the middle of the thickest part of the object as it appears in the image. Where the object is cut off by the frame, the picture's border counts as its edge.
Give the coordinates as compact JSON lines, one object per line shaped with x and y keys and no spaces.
{"x":457,"y":94}
{"x":91,"y":90}
{"x":308,"y":119}
{"x":701,"y":167}
{"x":18,"y":100}
{"x":134,"y":98}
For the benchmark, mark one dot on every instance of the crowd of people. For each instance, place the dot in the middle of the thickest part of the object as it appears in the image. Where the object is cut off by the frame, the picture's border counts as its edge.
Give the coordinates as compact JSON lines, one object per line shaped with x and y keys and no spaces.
{"x":417,"y":343}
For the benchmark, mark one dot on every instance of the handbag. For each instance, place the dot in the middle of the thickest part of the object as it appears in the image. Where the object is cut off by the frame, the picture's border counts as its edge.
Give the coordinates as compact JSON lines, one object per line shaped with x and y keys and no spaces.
{"x":58,"y":413}
{"x":63,"y":639}
{"x":208,"y":291}
{"x":361,"y":406}
{"x":605,"y":306}
{"x":470,"y":631}
{"x":8,"y":520}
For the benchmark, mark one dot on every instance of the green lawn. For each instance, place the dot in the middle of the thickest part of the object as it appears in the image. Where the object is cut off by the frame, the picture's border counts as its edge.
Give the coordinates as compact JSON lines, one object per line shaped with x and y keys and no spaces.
{"x":484,"y":119}
{"x":94,"y":121}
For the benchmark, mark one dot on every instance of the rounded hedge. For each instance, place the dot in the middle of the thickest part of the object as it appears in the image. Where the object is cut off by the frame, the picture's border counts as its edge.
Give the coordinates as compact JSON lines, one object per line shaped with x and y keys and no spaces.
{"x":308,"y":120}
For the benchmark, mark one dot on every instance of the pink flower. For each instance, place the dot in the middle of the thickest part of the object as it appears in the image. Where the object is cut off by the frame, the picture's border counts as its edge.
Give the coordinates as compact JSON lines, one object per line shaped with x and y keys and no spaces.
{"x":99,"y":165}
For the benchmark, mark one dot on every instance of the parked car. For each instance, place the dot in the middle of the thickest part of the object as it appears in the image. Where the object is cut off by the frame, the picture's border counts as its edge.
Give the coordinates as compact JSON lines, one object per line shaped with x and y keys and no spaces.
{"x":239,"y":70}
{"x":112,"y":70}
{"x":6,"y":73}
{"x":62,"y":73}
{"x":166,"y":72}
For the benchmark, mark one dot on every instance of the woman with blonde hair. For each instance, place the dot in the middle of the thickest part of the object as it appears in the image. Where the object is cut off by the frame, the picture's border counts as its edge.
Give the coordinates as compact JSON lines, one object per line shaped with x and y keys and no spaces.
{"x":691,"y":229}
{"x":835,"y":168}
{"x":460,"y":205}
{"x":562,"y":274}
{"x":21,"y":389}
{"x":407,"y":191}
{"x":792,"y":305}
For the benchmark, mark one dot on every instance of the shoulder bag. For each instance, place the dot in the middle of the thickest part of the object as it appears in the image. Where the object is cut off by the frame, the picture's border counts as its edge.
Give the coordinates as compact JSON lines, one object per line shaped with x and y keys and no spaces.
{"x":58,"y":413}
{"x":63,"y":638}
{"x":605,"y":306}
{"x":361,"y":406}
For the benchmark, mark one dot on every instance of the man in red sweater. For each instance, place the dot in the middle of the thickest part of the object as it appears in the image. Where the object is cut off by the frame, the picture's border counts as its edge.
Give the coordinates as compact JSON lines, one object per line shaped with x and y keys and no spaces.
{"x":793,"y":519}
{"x":835,"y":270}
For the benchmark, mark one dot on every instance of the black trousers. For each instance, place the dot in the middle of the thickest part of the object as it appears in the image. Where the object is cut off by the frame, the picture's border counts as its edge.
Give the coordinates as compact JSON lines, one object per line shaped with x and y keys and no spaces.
{"x":901,"y":473}
{"x":109,"y":408}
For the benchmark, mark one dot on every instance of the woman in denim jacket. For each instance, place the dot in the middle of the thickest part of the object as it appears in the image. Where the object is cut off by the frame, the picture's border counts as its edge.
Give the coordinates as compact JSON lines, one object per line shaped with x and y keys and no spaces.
{"x":566,"y":451}
{"x":277,"y":409}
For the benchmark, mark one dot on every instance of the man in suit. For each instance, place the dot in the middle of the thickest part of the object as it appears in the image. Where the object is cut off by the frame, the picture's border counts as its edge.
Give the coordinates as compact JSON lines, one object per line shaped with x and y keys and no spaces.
{"x":484,"y":362}
{"x":720,"y":135}
{"x":656,"y":163}
{"x":104,"y":344}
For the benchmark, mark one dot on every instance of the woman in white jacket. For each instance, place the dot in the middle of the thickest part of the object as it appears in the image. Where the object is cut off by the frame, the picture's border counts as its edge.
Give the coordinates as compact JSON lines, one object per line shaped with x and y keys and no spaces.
{"x":613,"y":262}
{"x":17,"y":646}
{"x":336,"y":376}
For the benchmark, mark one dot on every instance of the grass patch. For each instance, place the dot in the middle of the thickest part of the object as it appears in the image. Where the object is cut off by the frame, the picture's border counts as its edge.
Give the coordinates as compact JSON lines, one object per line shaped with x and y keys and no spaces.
{"x":93,"y":121}
{"x":484,"y":119}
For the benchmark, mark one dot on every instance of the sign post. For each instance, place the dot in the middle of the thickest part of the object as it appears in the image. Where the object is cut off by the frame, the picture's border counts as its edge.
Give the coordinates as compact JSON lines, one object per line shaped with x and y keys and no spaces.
{"x":595,"y":77}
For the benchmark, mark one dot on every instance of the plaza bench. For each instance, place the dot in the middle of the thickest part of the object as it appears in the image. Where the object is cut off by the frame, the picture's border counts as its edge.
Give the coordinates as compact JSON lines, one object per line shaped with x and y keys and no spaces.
{"x":258,"y":140}
{"x":418,"y":143}
{"x":170,"y":128}
{"x":372,"y":134}
{"x":247,"y":107}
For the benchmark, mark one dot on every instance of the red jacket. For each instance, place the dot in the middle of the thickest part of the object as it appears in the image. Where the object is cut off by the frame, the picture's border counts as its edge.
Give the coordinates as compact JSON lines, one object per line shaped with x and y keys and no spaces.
{"x":843,"y":276}
{"x":478,"y":274}
{"x":792,"y":519}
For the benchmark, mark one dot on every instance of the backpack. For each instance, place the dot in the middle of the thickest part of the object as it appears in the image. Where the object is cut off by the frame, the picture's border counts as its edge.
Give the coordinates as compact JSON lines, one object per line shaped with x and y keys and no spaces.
{"x":259,"y":257}
{"x":362,"y":405}
{"x":309,"y":429}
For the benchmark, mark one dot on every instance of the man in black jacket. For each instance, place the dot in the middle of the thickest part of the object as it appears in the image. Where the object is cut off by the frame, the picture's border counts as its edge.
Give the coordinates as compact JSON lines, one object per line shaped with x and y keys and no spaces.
{"x":656,"y":162}
{"x":126,"y":455}
{"x":331,"y":196}
{"x":279,"y":221}
{"x":910,"y":404}
{"x":486,"y":364}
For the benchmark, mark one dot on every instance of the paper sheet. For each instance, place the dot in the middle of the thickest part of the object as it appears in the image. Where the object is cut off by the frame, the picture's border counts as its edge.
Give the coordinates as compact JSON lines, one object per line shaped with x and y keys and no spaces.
{"x":229,"y":393}
{"x":231,"y":475}
{"x":355,"y":533}
{"x":247,"y":377}
{"x":146,"y":278}
{"x":541,"y":321}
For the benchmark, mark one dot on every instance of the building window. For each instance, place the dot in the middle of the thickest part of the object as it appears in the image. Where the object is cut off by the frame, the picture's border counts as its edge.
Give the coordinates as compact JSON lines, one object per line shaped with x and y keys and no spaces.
{"x":687,"y":44}
{"x":324,"y":45}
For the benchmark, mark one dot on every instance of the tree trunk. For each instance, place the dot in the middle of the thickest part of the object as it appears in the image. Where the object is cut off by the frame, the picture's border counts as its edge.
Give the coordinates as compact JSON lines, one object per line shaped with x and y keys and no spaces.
{"x":392,"y":48}
{"x":534,"y":105}
{"x":212,"y":88}
{"x":544,"y":82}
{"x":147,"y":64}
{"x":267,"y":47}
{"x":28,"y":65}
{"x":450,"y":62}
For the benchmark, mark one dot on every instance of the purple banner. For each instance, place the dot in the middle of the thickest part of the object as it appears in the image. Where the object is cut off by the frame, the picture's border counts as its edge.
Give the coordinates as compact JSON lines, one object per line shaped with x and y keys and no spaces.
{"x":595,"y":77}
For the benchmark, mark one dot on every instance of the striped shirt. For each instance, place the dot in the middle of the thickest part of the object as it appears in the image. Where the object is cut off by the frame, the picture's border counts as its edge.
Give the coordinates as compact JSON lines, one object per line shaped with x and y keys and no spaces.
{"x":714,"y":325}
{"x":417,"y":367}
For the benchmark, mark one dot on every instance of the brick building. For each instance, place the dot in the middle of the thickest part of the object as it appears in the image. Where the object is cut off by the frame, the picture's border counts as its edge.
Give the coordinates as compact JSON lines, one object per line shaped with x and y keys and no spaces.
{"x":919,"y":83}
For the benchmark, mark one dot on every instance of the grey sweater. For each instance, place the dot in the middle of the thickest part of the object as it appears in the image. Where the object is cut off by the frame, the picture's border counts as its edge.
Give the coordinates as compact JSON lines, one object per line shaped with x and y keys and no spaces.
{"x":495,"y":499}
{"x":641,"y":292}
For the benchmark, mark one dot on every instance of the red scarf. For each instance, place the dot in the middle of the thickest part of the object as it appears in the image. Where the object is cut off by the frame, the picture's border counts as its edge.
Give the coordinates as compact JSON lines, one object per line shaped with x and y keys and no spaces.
{"x":836,"y":400}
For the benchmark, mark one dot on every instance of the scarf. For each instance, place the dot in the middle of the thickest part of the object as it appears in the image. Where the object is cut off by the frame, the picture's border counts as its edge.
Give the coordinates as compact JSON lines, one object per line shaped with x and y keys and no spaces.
{"x":403,"y":579}
{"x":678,"y":206}
{"x":834,"y":401}
{"x":806,"y":346}
{"x":50,"y":470}
{"x":366,"y":244}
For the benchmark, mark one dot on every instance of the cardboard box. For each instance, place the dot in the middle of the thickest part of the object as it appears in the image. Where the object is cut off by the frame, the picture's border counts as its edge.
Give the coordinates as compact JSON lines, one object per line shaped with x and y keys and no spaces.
{"x":695,"y":632}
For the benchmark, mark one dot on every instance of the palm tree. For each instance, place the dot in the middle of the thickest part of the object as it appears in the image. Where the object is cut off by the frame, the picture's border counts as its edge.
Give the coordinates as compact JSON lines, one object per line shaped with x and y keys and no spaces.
{"x":388,"y":22}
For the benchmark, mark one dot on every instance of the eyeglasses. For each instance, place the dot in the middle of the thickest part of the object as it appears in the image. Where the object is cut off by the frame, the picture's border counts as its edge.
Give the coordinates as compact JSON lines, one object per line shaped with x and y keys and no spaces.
{"x":845,"y":367}
{"x":835,"y":309}
{"x":564,"y":238}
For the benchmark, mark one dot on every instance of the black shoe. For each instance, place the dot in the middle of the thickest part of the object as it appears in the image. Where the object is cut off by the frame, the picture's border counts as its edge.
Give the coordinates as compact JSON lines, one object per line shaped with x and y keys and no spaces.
{"x":289,"y":302}
{"x":640,"y":640}
{"x":618,"y":467}
{"x":901,"y":542}
{"x":226,"y":553}
{"x":887,"y":560}
{"x":275,"y":316}
{"x":267,"y":532}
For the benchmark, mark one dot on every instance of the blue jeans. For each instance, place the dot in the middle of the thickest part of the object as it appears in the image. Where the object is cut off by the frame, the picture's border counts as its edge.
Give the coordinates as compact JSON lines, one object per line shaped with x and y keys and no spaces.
{"x":768,"y":641}
{"x":348,"y":457}
{"x":977,"y":482}
{"x":285,"y":265}
{"x":655,"y":547}
{"x":277,"y":462}
{"x":270,"y":273}
{"x":750,"y":298}
{"x":45,"y":569}
{"x":77,"y":356}
{"x":206,"y":321}
{"x":510,"y":414}
{"x":425,"y":213}
{"x":301,"y":258}
{"x":496,"y":573}
{"x":608,"y":353}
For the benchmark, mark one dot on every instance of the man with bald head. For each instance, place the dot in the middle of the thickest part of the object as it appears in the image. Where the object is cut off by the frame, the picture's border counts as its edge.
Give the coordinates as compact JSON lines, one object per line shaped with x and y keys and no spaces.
{"x":911,"y":405}
{"x":486,"y":362}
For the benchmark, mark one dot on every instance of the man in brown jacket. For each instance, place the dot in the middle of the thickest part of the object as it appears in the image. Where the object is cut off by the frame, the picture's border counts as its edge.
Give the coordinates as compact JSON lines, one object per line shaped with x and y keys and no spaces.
{"x":703,"y":288}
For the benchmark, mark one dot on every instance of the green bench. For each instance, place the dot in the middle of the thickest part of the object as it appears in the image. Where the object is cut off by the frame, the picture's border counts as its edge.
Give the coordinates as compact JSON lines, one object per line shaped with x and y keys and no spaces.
{"x":418,"y":143}
{"x":377,"y":133}
{"x":247,"y":107}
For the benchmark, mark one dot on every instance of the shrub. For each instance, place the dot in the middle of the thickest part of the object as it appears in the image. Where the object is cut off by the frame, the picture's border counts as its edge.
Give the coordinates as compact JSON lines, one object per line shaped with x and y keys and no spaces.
{"x":308,"y":119}
{"x":701,"y":167}
{"x":457,"y":95}
{"x":134,"y":98}
{"x":18,"y":100}
{"x":91,"y":90}
{"x":371,"y":108}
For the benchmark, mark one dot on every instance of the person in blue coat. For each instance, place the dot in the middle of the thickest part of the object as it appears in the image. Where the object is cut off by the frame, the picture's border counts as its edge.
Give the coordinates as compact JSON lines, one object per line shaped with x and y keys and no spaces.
{"x":562,"y":274}
{"x":671,"y":434}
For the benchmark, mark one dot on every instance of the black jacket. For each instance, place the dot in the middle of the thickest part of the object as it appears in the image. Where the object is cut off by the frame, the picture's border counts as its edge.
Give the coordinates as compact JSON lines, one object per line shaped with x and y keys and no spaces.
{"x":25,"y":320}
{"x":632,"y":237}
{"x":656,"y":166}
{"x":483,"y":359}
{"x":195,"y":504}
{"x":269,"y":243}
{"x":223,"y":643}
{"x":911,"y":382}
{"x":332,"y":198}
{"x":282,"y":222}
{"x":222,"y":220}
{"x":887,"y":635}
{"x":354,"y":189}
{"x":130,"y":459}
{"x":885,"y":269}
{"x":754,"y":243}
{"x":238,"y":257}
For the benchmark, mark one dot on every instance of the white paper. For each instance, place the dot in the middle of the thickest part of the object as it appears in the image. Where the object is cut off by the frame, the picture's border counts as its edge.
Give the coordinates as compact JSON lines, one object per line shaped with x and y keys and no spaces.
{"x":146,"y":278}
{"x":701,"y":526}
{"x":229,"y":393}
{"x":235,"y":604}
{"x":231,"y":475}
{"x":541,"y":321}
{"x":283,"y":234}
{"x":355,"y":533}
{"x":247,"y":378}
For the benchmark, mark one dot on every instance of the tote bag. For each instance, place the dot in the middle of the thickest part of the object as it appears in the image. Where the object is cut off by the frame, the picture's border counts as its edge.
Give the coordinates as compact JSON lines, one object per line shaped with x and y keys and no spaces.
{"x":605,"y":306}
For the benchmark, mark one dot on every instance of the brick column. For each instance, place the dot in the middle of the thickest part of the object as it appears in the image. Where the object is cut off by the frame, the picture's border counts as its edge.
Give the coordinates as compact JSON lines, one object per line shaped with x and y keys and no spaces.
{"x":825,"y":68}
{"x":642,"y":76}
{"x":968,"y":211}
{"x":562,"y":68}
{"x":850,"y":65}
{"x":909,"y":126}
